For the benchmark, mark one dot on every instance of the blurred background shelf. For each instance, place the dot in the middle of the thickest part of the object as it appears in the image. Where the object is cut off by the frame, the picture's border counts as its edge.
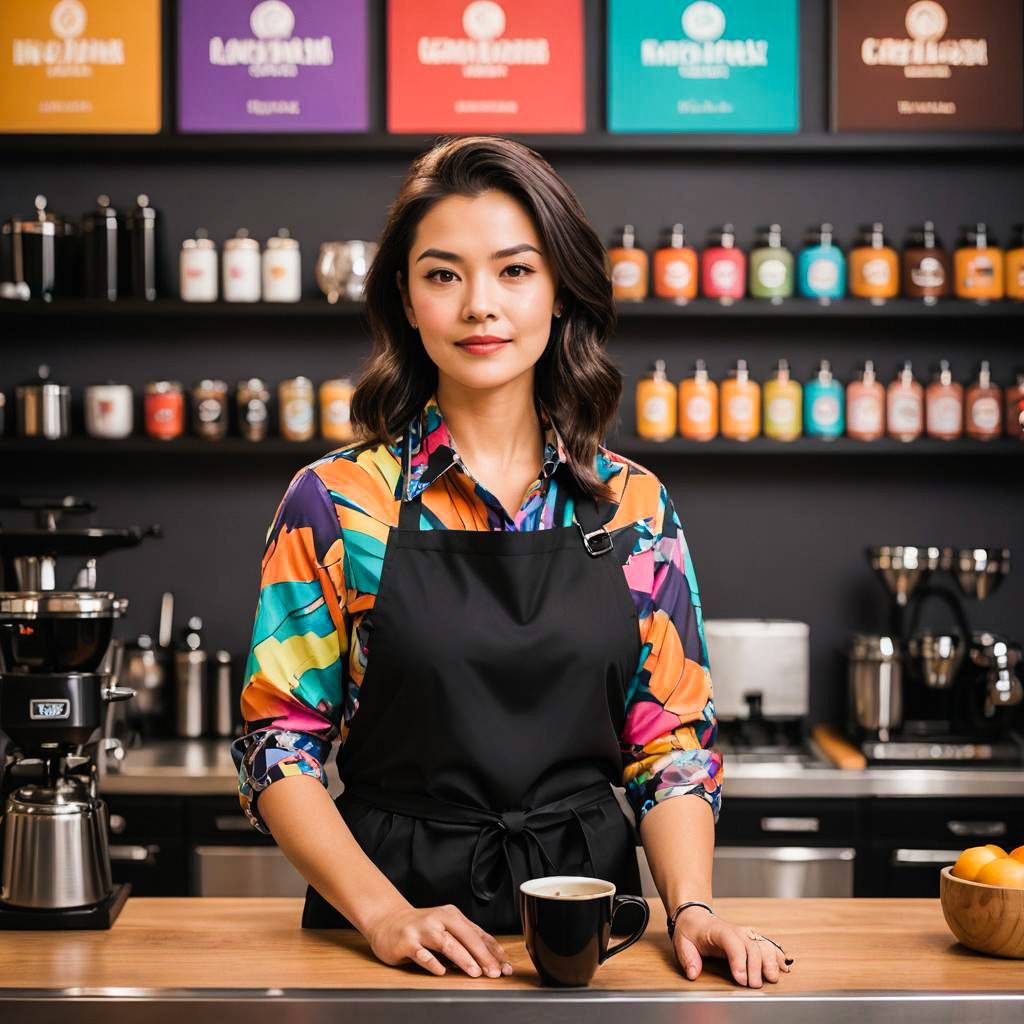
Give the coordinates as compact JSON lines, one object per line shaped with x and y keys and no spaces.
{"x":631,"y":447}
{"x":373,"y":145}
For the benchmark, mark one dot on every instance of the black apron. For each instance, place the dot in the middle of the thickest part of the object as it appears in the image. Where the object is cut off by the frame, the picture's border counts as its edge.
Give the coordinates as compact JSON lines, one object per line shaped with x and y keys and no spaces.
{"x":486,"y":738}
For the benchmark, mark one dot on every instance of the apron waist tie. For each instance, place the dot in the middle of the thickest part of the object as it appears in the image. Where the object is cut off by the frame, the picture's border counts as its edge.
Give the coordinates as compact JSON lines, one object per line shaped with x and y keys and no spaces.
{"x":497,"y":829}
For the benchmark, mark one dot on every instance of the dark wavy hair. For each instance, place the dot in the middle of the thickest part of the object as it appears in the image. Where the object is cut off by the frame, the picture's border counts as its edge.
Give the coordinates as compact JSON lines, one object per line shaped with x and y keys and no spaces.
{"x":574,"y":380}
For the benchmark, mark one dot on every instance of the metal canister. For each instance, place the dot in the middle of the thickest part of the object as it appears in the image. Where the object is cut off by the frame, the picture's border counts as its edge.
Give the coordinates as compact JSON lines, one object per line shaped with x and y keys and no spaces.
{"x":335,"y":406}
{"x":222,"y":700}
{"x":295,"y":398}
{"x":875,"y":684}
{"x":165,"y":409}
{"x":142,"y":249}
{"x":210,"y":409}
{"x":41,"y":252}
{"x":190,"y":693}
{"x":253,"y":400}
{"x":43,"y":407}
{"x":109,"y":409}
{"x":102,"y":229}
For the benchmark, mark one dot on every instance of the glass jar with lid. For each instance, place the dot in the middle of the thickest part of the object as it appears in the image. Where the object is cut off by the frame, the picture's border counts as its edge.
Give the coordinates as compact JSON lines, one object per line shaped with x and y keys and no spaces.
{"x":282,"y":269}
{"x":197,"y":268}
{"x":241,"y":268}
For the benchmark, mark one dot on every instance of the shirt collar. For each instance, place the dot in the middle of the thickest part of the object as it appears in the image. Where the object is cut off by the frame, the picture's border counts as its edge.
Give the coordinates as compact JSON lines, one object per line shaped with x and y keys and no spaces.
{"x":433,"y":450}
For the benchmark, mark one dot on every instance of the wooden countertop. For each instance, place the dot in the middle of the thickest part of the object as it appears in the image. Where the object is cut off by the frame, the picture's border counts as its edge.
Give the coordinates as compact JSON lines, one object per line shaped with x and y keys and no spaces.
{"x":839,"y":945}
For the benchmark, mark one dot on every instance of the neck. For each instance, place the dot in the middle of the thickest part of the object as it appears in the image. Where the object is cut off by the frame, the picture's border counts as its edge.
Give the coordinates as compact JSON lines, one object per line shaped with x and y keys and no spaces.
{"x":493,"y":429}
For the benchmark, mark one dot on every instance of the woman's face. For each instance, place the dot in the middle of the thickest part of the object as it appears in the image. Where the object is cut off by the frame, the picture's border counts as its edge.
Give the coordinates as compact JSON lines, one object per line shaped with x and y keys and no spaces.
{"x":477,"y":269}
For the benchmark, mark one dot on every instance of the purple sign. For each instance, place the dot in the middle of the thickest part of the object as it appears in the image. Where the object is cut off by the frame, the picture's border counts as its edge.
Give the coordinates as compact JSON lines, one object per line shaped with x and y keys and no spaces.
{"x":272,"y":66}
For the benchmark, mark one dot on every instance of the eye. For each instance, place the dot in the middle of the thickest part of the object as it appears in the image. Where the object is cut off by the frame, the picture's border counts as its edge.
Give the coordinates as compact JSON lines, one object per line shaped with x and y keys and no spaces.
{"x":441,"y":270}
{"x":522,"y":267}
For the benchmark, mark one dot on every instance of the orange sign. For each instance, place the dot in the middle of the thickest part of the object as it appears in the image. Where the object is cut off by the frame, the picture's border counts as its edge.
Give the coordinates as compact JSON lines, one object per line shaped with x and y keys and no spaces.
{"x":480,"y":65}
{"x":80,"y":66}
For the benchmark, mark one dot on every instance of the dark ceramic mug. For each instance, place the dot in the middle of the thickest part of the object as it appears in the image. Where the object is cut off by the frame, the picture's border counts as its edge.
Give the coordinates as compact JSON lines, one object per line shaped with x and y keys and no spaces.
{"x":567,"y":921}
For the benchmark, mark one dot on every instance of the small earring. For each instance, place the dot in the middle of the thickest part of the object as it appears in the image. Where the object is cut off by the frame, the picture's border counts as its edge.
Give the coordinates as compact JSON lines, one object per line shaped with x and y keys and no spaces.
{"x":413,"y":324}
{"x":559,"y":313}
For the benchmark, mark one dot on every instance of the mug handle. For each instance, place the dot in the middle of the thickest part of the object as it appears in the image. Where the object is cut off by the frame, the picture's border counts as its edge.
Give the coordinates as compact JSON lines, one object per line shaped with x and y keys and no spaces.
{"x":617,"y":905}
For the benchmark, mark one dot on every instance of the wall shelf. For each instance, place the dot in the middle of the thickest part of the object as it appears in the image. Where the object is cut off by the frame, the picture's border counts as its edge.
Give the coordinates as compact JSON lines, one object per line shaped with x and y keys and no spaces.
{"x":651,"y":308}
{"x":235,"y":447}
{"x":373,"y":145}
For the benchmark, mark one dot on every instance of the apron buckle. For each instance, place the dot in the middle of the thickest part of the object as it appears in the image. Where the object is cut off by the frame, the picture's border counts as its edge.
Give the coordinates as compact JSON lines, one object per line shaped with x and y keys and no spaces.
{"x":601,"y":546}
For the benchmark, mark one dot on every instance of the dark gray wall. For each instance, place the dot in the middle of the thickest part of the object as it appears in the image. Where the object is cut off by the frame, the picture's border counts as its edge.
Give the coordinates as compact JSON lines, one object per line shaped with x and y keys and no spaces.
{"x":770,"y":536}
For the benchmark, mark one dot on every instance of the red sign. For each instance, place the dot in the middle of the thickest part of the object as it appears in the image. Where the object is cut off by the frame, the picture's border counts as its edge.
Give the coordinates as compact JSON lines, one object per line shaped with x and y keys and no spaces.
{"x":483,"y":66}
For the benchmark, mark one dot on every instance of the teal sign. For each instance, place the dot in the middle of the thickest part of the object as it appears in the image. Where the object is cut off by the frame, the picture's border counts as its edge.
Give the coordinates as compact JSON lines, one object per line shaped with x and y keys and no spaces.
{"x":679,"y":66}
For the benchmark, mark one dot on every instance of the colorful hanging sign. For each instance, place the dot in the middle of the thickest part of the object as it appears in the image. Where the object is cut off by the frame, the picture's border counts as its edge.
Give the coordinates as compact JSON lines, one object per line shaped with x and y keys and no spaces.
{"x":271,"y":66}
{"x":80,"y":66}
{"x":458,"y":66}
{"x":920,"y":65}
{"x":677,"y":66}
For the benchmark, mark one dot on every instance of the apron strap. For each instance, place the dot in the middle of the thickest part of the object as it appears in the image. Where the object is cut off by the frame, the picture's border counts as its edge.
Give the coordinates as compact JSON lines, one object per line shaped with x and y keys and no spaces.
{"x":590,"y":515}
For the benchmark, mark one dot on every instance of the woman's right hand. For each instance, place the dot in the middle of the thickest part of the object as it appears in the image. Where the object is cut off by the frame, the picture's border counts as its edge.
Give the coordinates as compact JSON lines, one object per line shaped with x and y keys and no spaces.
{"x":416,"y":933}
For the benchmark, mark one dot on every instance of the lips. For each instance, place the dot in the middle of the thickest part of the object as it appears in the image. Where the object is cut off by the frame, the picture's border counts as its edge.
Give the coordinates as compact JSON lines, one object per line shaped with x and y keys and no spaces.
{"x":482,"y":344}
{"x":482,"y":339}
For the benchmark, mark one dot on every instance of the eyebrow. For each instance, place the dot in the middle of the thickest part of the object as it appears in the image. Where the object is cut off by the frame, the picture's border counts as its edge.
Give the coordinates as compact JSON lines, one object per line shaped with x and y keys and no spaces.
{"x":501,"y":254}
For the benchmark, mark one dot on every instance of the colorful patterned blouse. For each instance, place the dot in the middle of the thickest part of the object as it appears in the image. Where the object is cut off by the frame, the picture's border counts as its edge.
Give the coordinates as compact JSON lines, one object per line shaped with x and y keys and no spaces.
{"x":320,"y":575}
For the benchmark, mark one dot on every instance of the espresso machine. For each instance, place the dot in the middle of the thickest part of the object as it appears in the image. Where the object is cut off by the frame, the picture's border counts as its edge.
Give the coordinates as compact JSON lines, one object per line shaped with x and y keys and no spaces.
{"x":58,"y":677}
{"x":923,"y":695}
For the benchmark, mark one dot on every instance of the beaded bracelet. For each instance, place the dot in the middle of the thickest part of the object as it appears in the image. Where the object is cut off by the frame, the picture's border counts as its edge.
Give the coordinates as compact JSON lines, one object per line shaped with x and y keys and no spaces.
{"x":680,"y":909}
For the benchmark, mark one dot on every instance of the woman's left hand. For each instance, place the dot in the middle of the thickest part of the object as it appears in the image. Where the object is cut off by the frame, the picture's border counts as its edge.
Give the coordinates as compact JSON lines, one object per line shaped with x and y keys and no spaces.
{"x":699,"y":934}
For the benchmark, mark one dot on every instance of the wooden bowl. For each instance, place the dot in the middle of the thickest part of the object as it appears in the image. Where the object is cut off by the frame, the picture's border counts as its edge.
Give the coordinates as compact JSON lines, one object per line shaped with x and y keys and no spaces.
{"x":988,"y":918}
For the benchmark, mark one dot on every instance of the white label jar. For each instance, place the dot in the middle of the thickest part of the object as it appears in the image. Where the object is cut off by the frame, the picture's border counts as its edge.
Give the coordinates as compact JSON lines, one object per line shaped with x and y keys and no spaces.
{"x":198,"y":269}
{"x":108,"y":410}
{"x":282,"y":271}
{"x":241,"y":268}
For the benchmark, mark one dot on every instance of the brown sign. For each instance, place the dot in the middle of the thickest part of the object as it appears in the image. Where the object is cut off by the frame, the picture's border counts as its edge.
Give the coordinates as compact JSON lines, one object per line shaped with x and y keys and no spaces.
{"x":922,"y":65}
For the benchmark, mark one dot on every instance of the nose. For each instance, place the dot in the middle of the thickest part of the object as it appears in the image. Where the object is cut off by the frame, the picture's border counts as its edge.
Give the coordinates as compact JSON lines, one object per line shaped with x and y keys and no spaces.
{"x":480,"y":304}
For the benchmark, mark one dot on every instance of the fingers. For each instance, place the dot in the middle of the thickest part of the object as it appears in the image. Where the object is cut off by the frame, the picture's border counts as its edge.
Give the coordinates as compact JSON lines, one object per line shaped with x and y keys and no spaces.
{"x":736,"y":952}
{"x":425,"y":958}
{"x":689,"y":958}
{"x":769,"y":961}
{"x":753,"y":963}
{"x":486,"y":956}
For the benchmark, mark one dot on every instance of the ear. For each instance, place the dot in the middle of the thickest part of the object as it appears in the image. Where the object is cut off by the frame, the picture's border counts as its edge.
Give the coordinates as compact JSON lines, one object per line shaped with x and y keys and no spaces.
{"x":403,"y":291}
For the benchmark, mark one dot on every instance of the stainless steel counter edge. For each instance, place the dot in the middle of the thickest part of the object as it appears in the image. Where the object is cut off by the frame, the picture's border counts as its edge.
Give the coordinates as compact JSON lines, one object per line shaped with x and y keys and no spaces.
{"x":204,"y":768}
{"x":265,"y":1006}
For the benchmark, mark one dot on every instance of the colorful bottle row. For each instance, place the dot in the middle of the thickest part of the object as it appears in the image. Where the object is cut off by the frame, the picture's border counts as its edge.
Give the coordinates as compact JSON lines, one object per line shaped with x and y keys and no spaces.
{"x":168,"y":409}
{"x":872,"y":269}
{"x":741,"y":409}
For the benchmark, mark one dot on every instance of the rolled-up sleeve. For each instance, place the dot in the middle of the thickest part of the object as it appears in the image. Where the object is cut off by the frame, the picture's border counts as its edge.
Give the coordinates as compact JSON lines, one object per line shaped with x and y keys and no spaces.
{"x":670,"y":724}
{"x":294,"y":686}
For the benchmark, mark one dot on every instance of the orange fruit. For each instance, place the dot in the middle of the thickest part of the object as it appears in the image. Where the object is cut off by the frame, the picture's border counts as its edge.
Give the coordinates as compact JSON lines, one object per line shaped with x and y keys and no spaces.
{"x":971,"y":861}
{"x":1003,"y":871}
{"x":997,"y":850}
{"x":1018,"y":854}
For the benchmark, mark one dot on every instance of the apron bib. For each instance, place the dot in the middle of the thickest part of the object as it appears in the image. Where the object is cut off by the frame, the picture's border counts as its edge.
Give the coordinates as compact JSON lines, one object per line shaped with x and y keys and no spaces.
{"x":486,"y":739}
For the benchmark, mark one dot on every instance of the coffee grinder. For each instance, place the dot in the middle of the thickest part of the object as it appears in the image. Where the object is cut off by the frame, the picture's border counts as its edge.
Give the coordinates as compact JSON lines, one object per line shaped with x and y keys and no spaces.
{"x":57,"y":679}
{"x":939,"y":696}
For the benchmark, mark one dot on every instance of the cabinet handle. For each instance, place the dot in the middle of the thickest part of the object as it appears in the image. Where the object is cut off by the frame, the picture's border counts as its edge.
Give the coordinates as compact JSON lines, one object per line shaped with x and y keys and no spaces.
{"x":977,"y":828}
{"x":231,"y":823}
{"x":915,"y":858}
{"x":790,"y":825}
{"x":785,"y":854}
{"x":135,"y":854}
{"x":118,"y":824}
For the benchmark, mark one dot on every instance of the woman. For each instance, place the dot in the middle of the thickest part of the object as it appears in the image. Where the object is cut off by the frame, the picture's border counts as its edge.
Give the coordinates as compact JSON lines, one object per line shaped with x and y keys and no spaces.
{"x":514,"y":604}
